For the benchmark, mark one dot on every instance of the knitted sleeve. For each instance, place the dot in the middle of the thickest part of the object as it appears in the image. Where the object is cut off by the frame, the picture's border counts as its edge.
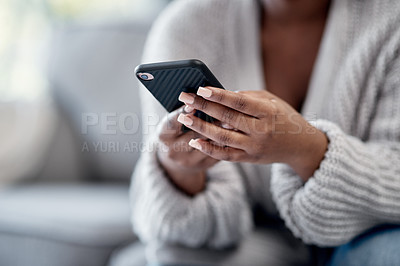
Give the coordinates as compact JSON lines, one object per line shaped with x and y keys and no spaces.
{"x":357,"y":185}
{"x":219,"y":216}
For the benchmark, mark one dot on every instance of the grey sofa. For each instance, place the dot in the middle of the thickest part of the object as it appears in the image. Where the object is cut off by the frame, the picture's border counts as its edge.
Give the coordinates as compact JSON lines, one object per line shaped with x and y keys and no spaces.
{"x":76,"y":210}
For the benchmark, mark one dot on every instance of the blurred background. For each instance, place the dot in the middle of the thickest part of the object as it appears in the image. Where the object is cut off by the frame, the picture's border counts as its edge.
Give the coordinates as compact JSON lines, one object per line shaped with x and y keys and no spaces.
{"x":70,"y":129}
{"x":27,"y":26}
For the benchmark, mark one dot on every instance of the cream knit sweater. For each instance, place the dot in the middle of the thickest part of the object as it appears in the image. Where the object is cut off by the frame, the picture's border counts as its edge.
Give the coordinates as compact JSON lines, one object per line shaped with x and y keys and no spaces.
{"x":354,"y":97}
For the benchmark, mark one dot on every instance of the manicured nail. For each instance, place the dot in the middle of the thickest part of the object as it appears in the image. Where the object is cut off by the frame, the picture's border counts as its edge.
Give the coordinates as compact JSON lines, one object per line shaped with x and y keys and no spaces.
{"x":193,"y":143}
{"x":204,"y":92}
{"x":188,"y":109}
{"x":186,"y":98}
{"x":184,"y":119}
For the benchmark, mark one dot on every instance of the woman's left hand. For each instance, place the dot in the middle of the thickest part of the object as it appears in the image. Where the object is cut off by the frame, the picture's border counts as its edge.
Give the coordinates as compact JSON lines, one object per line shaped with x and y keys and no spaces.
{"x":257,"y":127}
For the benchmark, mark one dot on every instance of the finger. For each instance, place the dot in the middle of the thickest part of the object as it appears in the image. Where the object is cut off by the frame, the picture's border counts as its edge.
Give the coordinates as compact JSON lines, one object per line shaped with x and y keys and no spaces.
{"x":227,"y":126}
{"x":220,"y":135}
{"x":218,"y":152}
{"x":238,"y":101}
{"x":171,"y":128}
{"x":182,"y":152}
{"x":260,"y":95}
{"x":188,"y":109}
{"x":220,"y":112}
{"x":207,"y":161}
{"x":181,"y":139}
{"x":180,"y":149}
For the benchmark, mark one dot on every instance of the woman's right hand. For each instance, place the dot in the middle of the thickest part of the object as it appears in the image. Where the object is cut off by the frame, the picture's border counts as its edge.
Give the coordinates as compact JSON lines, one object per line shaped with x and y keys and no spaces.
{"x":185,"y":166}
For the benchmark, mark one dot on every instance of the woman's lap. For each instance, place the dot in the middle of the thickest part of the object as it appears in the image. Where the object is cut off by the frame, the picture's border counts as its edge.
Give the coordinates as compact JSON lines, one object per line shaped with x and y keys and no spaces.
{"x":379,"y":246}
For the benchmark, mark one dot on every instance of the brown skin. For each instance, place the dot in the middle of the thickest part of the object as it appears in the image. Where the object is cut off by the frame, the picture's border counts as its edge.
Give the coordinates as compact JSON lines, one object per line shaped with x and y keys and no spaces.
{"x":184,"y":165}
{"x":290,"y":35}
{"x":268,"y":130}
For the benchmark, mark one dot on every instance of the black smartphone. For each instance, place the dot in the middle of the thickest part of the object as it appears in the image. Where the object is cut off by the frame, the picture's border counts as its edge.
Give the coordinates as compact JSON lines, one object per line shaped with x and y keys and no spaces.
{"x":166,"y":80}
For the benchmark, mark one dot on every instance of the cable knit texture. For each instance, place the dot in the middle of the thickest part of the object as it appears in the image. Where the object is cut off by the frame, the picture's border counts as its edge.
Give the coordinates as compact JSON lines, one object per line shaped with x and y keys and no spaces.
{"x":354,"y":97}
{"x":357,"y":185}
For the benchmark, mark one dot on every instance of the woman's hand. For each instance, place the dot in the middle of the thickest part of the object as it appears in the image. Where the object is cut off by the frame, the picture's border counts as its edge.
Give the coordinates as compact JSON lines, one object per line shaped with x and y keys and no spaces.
{"x":184,"y":165}
{"x":259,"y":128}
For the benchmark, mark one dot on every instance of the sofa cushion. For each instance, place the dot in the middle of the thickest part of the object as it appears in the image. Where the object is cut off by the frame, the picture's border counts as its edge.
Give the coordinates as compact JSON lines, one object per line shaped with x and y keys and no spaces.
{"x":63,"y":224}
{"x":91,"y":75}
{"x":22,"y":155}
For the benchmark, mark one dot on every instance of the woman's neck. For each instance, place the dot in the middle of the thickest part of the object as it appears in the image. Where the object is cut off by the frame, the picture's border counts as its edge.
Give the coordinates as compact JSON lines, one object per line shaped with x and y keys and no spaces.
{"x":295,"y":11}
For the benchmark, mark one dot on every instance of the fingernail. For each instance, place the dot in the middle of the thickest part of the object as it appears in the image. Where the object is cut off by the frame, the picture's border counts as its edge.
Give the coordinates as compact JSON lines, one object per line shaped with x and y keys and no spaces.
{"x":204,"y":92}
{"x":188,"y":109}
{"x":184,"y":119}
{"x":186,"y":98}
{"x":193,"y":143}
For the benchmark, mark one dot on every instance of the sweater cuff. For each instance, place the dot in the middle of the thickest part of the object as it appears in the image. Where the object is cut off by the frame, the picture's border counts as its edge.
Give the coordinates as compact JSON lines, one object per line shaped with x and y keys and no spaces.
{"x":217,"y":217}
{"x":323,"y":210}
{"x":284,"y":176}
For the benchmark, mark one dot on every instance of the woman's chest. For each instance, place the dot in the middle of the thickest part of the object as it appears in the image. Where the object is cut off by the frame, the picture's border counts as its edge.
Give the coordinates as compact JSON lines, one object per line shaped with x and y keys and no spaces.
{"x":288,"y":62}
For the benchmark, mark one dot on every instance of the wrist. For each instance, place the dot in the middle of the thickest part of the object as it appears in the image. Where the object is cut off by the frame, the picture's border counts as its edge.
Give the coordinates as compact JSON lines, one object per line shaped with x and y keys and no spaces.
{"x":187,"y":180}
{"x":312,"y":149}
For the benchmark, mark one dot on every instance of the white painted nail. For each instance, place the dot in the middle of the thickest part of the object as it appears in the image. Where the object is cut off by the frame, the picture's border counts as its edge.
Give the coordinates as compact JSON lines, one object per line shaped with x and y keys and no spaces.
{"x":184,"y":119}
{"x":193,"y":143}
{"x":188,"y":109}
{"x":186,"y":98}
{"x":204,"y":92}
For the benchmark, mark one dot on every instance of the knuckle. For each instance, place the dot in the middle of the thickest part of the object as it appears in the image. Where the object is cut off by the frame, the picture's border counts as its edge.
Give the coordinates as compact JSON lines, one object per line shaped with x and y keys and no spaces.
{"x":243,"y":122}
{"x":201,"y":126}
{"x":202,"y":103}
{"x":213,"y":152}
{"x":228,"y":115}
{"x":273,"y":110}
{"x":225,"y":138}
{"x":219,"y":96}
{"x":274,"y":106}
{"x":210,"y":152}
{"x":240,"y":103}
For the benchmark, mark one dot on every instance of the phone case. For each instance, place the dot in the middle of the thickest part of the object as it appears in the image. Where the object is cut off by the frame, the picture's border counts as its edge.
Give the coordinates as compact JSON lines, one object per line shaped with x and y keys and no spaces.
{"x":171,"y":78}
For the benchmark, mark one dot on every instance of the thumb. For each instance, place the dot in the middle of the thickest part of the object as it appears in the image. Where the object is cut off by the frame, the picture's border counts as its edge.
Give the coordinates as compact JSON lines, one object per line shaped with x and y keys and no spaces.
{"x":171,"y":128}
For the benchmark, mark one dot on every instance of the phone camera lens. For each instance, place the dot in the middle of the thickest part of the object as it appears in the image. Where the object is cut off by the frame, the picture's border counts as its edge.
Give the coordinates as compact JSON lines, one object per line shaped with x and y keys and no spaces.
{"x":145,"y":76}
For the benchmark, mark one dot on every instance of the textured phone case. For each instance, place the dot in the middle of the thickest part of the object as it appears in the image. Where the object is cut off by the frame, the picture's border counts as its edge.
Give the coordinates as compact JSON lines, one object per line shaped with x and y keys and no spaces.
{"x":171,"y":78}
